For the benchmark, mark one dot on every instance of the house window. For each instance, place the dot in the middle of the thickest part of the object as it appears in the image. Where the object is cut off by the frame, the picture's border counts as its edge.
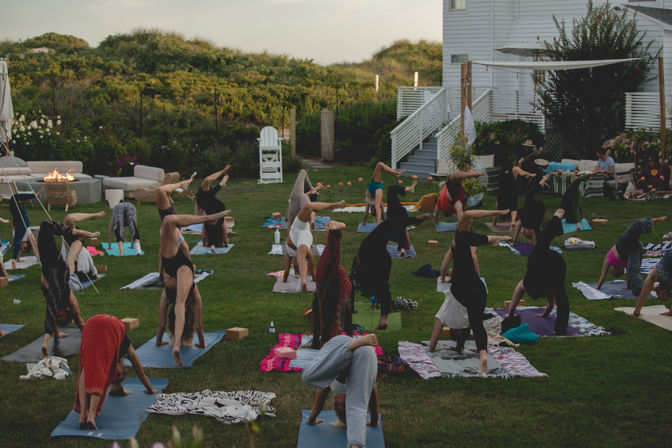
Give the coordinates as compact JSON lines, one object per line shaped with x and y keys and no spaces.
{"x":458,"y":4}
{"x":459,"y":58}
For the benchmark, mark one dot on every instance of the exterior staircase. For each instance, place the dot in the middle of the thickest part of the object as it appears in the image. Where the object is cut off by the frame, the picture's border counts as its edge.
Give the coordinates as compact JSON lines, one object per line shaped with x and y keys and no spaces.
{"x":423,"y":161}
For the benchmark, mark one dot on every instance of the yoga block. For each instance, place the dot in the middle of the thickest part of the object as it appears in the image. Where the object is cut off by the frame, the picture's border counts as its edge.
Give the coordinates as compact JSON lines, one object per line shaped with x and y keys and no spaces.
{"x":445,"y":332}
{"x":131,"y":323}
{"x":432,"y":243}
{"x":101,"y":268}
{"x":4,"y":282}
{"x":95,"y":242}
{"x":598,"y":221}
{"x":276,"y":215}
{"x":285,"y":352}
{"x":236,"y":333}
{"x":507,"y":303}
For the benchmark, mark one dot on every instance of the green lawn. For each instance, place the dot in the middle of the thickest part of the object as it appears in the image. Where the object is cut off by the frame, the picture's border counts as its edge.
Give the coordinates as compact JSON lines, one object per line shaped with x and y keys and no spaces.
{"x":601,"y":391}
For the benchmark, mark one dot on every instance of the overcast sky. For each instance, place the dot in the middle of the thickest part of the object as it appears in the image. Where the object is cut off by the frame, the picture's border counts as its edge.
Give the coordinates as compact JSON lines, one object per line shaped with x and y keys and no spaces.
{"x":326,"y":31}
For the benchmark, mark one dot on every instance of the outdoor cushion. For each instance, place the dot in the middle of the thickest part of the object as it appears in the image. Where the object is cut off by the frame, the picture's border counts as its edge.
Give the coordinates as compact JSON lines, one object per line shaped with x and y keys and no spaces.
{"x":555,"y":166}
{"x":63,"y":166}
{"x":128,"y":183}
{"x":149,"y":172}
{"x":15,"y":171}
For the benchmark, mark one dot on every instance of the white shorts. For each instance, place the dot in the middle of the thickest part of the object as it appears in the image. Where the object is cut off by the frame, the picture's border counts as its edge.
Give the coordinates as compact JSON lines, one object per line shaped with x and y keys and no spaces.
{"x":300,"y":233}
{"x":291,"y":252}
{"x":452,"y":313}
{"x":369,"y":200}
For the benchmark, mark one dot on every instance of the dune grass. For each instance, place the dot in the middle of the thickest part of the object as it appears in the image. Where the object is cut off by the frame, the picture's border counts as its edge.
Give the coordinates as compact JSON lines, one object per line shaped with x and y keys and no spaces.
{"x":601,"y":391}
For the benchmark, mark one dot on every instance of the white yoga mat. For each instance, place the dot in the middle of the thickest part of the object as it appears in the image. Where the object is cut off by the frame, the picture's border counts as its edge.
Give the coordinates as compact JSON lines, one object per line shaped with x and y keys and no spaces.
{"x":651,"y":314}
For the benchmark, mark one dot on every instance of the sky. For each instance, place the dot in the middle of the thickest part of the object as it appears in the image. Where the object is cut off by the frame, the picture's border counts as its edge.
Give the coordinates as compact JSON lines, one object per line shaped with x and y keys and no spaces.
{"x":326,"y":31}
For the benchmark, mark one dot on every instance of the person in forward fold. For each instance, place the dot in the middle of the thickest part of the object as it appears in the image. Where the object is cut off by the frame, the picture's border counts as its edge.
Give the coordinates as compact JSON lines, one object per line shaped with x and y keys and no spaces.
{"x":124,"y":215}
{"x":101,"y":365}
{"x":507,"y":196}
{"x":532,"y":213}
{"x":545,"y":277}
{"x":627,"y":252}
{"x":374,"y":192}
{"x":80,"y":263}
{"x":208,"y":203}
{"x":661,"y":273}
{"x":349,"y":366}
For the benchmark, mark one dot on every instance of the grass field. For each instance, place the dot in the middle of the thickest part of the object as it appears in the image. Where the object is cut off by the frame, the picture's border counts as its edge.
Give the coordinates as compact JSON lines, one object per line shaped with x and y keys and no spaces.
{"x":601,"y":391}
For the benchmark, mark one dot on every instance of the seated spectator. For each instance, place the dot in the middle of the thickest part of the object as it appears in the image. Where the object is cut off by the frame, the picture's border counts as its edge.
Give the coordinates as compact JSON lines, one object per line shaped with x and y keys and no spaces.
{"x":655,"y":176}
{"x":605,"y":164}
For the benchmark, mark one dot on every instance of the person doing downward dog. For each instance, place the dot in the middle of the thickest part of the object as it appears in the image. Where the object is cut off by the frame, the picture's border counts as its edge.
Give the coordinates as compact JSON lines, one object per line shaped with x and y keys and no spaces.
{"x":178,"y":275}
{"x":350,"y":366}
{"x":124,"y":215}
{"x":370,"y":271}
{"x":455,"y":316}
{"x":101,"y":365}
{"x":545,"y":276}
{"x":452,"y":198}
{"x":301,"y":239}
{"x":466,"y":284}
{"x":396,"y":210}
{"x":206,"y":199}
{"x":374,"y":192}
{"x":661,"y":273}
{"x":532,"y":213}
{"x":627,"y":252}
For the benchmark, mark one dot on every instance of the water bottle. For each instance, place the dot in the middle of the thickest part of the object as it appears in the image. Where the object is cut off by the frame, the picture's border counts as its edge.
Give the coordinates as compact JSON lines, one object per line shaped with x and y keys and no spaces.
{"x":271,"y":328}
{"x":277,"y":236}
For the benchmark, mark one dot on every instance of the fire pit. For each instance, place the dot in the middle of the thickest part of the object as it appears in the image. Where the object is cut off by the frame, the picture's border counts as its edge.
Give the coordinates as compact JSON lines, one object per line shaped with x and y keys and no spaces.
{"x":55,"y":176}
{"x":87,"y":191}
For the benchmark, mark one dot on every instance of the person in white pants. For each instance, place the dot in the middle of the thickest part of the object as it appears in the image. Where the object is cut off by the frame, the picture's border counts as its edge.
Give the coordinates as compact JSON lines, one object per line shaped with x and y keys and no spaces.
{"x":353,"y":362}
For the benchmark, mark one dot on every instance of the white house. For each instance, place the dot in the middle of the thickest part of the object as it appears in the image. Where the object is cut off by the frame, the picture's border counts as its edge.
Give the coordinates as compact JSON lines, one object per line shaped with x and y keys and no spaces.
{"x":490,"y":30}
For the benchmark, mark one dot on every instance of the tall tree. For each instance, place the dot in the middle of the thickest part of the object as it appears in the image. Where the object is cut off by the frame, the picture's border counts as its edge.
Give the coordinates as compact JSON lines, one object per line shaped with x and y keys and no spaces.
{"x":588,"y":106}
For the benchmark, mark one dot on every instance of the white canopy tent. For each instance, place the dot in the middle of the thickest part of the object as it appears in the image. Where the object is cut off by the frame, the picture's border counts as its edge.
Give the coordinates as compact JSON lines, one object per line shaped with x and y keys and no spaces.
{"x":527,"y":48}
{"x":553,"y":65}
{"x":6,"y":108}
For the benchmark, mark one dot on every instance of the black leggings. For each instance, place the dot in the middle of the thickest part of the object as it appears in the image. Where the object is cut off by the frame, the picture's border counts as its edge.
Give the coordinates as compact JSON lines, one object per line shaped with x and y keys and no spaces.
{"x":370,"y":273}
{"x":396,"y":210}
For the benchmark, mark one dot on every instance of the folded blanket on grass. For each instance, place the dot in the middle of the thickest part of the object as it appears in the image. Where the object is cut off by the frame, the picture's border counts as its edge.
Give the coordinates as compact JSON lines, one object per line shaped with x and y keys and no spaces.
{"x":229,"y":408}
{"x":506,"y":362}
{"x":545,"y":326}
{"x":304,"y":354}
{"x":614,"y":289}
{"x":651,"y":314}
{"x":49,"y":367}
{"x":154,"y":281}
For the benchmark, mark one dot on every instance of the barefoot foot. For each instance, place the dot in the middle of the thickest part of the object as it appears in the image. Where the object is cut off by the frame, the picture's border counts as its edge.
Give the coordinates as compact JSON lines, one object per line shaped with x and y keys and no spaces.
{"x":177,"y":359}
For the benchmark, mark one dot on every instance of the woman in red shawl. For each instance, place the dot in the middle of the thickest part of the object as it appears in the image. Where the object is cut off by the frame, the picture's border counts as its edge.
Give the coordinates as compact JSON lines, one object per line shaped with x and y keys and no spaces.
{"x":104,"y":345}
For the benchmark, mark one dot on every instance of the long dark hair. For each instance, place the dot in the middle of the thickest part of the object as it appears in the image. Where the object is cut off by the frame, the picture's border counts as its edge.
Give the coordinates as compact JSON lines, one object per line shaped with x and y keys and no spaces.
{"x":325,"y":303}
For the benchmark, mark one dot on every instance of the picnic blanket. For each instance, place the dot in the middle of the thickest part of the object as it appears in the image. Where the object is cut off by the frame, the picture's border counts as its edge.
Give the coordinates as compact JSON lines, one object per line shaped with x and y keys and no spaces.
{"x":326,"y":435}
{"x":648,"y":264}
{"x":524,"y":248}
{"x":303,"y":355}
{"x":25,"y":263}
{"x":281,"y":223}
{"x":113,"y":249}
{"x":446,"y":226}
{"x":199,"y":249}
{"x":569,"y":228}
{"x":63,"y":347}
{"x":651,"y":314}
{"x":503,"y":362}
{"x":229,"y":408}
{"x":657,"y":249}
{"x":614,"y":289}
{"x":161,"y":356}
{"x":120,"y":418}
{"x":292,"y":285}
{"x":578,"y":243}
{"x":395,"y":253}
{"x":153,"y":280}
{"x":545,"y":326}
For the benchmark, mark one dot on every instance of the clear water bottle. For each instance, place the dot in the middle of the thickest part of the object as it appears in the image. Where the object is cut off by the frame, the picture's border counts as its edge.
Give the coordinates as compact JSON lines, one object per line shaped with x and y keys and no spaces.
{"x":277,"y":236}
{"x":271,"y":328}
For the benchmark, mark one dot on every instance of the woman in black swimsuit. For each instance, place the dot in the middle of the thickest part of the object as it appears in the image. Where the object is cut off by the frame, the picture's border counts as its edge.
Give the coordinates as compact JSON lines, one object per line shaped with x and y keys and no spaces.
{"x":178,"y":275}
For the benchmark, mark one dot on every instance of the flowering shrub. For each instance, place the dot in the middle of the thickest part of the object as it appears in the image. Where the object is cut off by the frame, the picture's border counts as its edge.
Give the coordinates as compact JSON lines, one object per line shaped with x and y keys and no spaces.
{"x":461,"y":156}
{"x":126,"y":163}
{"x":634,"y":146}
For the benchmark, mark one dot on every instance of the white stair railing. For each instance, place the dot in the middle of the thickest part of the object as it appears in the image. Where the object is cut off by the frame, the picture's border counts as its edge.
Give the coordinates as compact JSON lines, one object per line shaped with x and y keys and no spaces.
{"x":422,"y":123}
{"x":410,"y":99}
{"x":446,"y":137}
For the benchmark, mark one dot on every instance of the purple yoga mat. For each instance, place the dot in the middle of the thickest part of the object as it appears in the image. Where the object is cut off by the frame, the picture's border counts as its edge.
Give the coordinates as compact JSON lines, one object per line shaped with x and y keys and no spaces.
{"x":524,"y":248}
{"x":543,"y":326}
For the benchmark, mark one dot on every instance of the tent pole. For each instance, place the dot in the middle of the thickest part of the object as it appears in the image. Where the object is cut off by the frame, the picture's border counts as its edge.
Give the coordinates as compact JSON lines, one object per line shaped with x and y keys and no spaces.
{"x":663,"y":119}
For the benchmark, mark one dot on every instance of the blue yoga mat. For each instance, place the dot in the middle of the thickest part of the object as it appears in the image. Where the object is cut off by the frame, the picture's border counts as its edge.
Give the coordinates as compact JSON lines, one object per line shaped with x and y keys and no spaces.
{"x":615,"y":289}
{"x":113,"y":251}
{"x":193,"y":228}
{"x":446,"y":227}
{"x":569,"y":228}
{"x":199,"y":249}
{"x":161,"y":357}
{"x":366,"y":228}
{"x":324,"y":435}
{"x":120,"y":418}
{"x":394,"y":253}
{"x":10,"y":328}
{"x":13,"y":277}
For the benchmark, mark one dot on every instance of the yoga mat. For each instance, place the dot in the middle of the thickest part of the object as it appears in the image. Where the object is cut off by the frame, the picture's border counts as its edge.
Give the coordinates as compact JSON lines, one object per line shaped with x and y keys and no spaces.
{"x":113,"y":250}
{"x":366,"y":228}
{"x":543,"y":326}
{"x":569,"y":228}
{"x":13,"y":277}
{"x":368,"y":318}
{"x":87,"y":283}
{"x":153,"y":281}
{"x":120,"y":418}
{"x":65,"y":347}
{"x":394,"y":253}
{"x":293,"y":285}
{"x":25,"y":263}
{"x":4,"y":247}
{"x":446,"y":227}
{"x":10,"y":328}
{"x":450,"y":363}
{"x":616,"y":289}
{"x":194,"y":229}
{"x":524,"y":248}
{"x":499,"y":228}
{"x":199,"y":249}
{"x":161,"y":357}
{"x":325,"y":435}
{"x":651,"y":314}
{"x":443,"y":287}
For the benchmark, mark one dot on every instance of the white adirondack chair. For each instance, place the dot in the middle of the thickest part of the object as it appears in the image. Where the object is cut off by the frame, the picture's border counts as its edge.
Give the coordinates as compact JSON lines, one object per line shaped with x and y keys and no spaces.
{"x":270,"y":156}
